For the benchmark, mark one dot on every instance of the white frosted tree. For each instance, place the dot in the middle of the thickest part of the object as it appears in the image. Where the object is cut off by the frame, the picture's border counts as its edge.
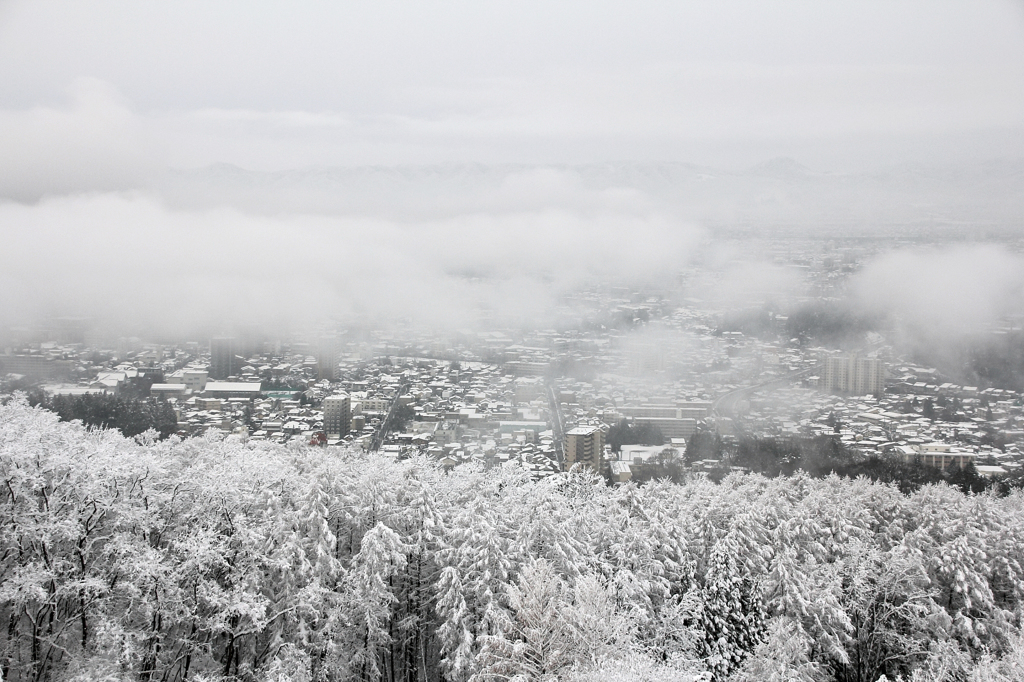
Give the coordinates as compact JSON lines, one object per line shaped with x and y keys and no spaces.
{"x":551,"y":627}
{"x":369,"y":598}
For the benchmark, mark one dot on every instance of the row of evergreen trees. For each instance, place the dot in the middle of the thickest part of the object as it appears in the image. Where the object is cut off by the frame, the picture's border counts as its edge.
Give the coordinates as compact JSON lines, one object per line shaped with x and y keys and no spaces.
{"x":129,"y":415}
{"x":214,"y":558}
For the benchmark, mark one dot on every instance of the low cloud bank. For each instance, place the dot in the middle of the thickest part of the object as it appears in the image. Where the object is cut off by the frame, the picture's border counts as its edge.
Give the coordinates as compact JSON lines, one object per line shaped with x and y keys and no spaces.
{"x":939,"y":296}
{"x":129,"y":261}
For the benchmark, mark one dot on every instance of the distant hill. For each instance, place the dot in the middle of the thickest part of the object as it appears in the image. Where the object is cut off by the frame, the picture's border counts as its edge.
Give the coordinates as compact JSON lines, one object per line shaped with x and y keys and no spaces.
{"x":779,"y":193}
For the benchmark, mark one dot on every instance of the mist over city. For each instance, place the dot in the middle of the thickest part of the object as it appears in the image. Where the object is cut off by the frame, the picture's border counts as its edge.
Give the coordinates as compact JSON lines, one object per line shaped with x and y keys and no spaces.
{"x":486,"y":341}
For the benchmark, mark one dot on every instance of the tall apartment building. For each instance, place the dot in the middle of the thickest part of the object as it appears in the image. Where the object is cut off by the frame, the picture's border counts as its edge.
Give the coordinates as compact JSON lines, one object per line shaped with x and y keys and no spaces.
{"x":222,"y":357}
{"x":327,"y":359}
{"x":584,"y":445}
{"x":853,"y":374}
{"x":337,"y":415}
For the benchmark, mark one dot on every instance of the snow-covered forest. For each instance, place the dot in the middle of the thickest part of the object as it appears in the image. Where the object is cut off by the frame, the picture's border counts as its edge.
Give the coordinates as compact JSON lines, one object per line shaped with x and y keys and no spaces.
{"x":221,"y":559}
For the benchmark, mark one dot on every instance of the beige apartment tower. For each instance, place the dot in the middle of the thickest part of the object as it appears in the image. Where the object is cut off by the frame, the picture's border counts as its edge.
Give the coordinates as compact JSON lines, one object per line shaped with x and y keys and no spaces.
{"x":337,"y":415}
{"x":584,"y":445}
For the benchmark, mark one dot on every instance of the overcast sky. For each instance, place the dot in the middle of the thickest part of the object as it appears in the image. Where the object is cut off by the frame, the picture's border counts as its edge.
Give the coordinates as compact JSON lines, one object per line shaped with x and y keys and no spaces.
{"x":836,"y":85}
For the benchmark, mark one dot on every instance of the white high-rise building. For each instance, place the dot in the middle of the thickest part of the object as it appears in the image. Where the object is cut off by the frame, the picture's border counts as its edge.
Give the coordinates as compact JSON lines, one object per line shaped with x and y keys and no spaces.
{"x":853,"y":374}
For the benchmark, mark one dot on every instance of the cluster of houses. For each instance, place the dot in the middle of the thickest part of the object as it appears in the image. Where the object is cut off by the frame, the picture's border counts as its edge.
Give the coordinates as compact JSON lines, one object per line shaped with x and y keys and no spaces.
{"x":917,"y":417}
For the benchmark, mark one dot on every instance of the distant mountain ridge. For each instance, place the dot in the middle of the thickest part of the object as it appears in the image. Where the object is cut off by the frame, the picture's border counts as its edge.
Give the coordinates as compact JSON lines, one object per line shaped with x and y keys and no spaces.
{"x":779,"y":191}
